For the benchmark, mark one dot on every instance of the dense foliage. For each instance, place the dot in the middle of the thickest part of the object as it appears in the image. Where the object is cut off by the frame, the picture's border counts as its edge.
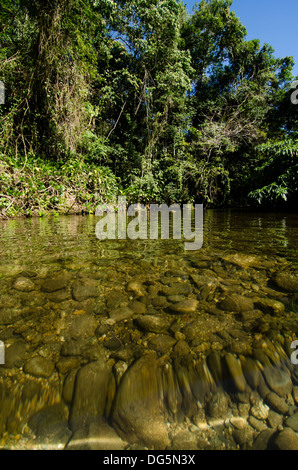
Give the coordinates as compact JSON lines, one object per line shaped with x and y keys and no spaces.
{"x":137,"y":97}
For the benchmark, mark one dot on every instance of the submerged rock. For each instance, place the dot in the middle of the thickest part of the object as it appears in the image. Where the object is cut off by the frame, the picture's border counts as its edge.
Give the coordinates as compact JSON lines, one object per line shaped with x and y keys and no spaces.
{"x":278,"y":380}
{"x":82,"y":326}
{"x":273,"y":307}
{"x":244,"y":260}
{"x":292,"y":422}
{"x":153,"y":323}
{"x":236,"y":303}
{"x":184,"y":307}
{"x":286,"y":282}
{"x":161,"y":343}
{"x":235,"y":372}
{"x":96,"y":436}
{"x":136,"y":287}
{"x":137,"y":307}
{"x":217,"y":407}
{"x":214,"y":364}
{"x":24,"y":284}
{"x":137,"y":415}
{"x":286,"y":440}
{"x":50,"y":426}
{"x":53,"y":285}
{"x":14,"y":355}
{"x":277,"y":403}
{"x":251,"y":372}
{"x":39,"y":367}
{"x":121,"y":313}
{"x":84,"y":290}
{"x":94,"y":391}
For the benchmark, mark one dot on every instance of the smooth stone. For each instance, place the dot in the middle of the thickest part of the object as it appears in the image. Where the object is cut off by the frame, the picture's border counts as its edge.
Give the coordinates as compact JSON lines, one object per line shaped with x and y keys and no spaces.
{"x":39,"y":367}
{"x":50,"y":426}
{"x":160,"y":301}
{"x":66,"y":364}
{"x":250,"y":315}
{"x":53,"y":285}
{"x":263,"y":440}
{"x":235,"y":372}
{"x":262,"y":387}
{"x":292,"y":422}
{"x":207,"y":291}
{"x":136,"y":287}
{"x":257,"y":424}
{"x":175,"y":298}
{"x":244,"y":437}
{"x":161,"y":343}
{"x":93,"y":393}
{"x":277,"y":403}
{"x":236,"y":303}
{"x":137,"y":307}
{"x":85,"y":347}
{"x":82,"y":326}
{"x":29,"y":274}
{"x":175,"y":273}
{"x":286,"y":440}
{"x":68,"y":386}
{"x":121,"y":313}
{"x":278,"y":380}
{"x":98,"y":436}
{"x":116,"y":299}
{"x":113,"y":344}
{"x":176,"y":288}
{"x":203,"y":280}
{"x":275,"y":420}
{"x":245,"y":261}
{"x":273,"y":307}
{"x":238,"y":422}
{"x":137,"y":415}
{"x":24,"y":284}
{"x":84,"y":290}
{"x":14,"y":355}
{"x":152,"y":323}
{"x":11,"y":315}
{"x":285,"y":281}
{"x":215,"y":366}
{"x":59,"y":296}
{"x":181,"y":348}
{"x":184,"y":307}
{"x":251,"y":372}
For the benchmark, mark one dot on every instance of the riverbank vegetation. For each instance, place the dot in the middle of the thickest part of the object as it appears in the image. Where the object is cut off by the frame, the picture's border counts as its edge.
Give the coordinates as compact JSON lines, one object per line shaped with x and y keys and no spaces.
{"x":140,"y":98}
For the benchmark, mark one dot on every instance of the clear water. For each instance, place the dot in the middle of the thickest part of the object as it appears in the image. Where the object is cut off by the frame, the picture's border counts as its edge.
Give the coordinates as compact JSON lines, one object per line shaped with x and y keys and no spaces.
{"x":241,"y":253}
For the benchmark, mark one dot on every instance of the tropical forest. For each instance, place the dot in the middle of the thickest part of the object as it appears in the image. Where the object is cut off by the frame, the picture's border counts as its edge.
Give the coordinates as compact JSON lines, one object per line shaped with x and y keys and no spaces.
{"x":141,"y":99}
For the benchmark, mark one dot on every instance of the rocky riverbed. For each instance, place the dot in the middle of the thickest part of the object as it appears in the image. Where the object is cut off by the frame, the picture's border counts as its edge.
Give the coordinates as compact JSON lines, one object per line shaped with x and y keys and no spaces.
{"x":178,"y":353}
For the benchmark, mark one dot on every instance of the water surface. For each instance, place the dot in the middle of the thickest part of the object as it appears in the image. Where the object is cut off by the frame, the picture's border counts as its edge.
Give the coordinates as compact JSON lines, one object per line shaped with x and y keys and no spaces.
{"x":201,"y":336}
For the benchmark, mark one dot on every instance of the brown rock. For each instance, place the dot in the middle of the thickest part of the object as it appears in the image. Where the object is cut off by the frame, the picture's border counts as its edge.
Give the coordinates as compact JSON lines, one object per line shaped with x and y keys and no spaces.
{"x":137,"y":415}
{"x":286,"y":440}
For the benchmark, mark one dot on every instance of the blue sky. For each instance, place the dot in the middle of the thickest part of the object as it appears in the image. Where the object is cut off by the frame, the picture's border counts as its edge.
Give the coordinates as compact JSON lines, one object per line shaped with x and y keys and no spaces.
{"x":272,"y":21}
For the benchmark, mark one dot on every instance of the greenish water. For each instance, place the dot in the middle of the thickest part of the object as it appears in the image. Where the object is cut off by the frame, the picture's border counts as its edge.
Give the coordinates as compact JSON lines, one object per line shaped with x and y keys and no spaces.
{"x":102,"y":334}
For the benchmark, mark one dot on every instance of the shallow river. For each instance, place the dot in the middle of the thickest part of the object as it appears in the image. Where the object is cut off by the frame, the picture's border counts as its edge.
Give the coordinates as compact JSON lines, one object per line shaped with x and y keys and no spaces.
{"x":140,"y":344}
